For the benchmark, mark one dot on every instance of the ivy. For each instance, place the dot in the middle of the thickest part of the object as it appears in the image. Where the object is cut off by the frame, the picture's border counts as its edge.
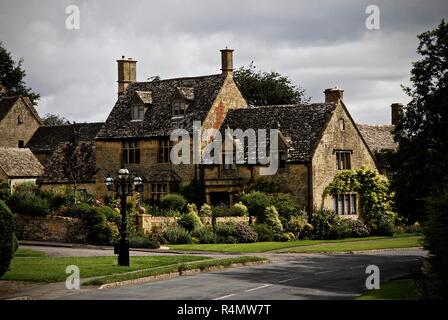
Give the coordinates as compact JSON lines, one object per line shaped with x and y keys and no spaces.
{"x":375,"y":195}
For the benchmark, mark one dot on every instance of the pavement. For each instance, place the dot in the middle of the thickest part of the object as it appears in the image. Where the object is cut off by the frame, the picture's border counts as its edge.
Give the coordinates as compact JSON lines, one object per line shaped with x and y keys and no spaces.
{"x":287,"y":277}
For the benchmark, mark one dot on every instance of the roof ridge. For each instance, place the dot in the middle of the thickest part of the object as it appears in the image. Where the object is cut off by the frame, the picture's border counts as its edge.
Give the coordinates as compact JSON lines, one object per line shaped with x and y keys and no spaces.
{"x":180,"y":78}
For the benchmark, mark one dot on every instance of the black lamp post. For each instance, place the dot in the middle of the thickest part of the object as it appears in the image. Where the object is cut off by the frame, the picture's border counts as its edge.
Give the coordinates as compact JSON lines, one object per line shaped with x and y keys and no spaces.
{"x":123,"y":181}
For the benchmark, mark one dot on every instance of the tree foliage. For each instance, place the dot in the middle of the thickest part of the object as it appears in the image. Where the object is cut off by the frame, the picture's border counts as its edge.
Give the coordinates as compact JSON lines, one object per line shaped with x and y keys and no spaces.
{"x":8,"y":242}
{"x":54,"y":120}
{"x":421,"y":164}
{"x":12,"y":76}
{"x":267,"y":88}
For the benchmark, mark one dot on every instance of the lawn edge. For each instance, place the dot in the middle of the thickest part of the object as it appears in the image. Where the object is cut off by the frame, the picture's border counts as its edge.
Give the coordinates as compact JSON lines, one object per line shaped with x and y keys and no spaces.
{"x":171,"y":275}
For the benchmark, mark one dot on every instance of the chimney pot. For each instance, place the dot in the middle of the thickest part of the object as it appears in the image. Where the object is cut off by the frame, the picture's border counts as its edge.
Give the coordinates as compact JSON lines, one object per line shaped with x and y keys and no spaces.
{"x":334,"y":94}
{"x":227,"y":61}
{"x":396,"y":114}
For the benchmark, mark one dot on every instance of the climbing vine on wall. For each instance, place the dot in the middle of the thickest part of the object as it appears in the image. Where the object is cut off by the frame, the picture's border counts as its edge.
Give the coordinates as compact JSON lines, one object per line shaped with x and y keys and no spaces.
{"x":375,"y":196}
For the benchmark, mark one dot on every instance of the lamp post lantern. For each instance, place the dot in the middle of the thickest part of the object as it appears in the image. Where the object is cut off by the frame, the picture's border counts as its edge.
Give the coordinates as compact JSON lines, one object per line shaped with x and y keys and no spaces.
{"x":123,"y":182}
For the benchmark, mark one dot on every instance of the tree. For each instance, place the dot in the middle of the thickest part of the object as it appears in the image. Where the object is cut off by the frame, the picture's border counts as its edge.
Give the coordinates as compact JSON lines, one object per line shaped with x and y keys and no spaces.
{"x":267,"y":88}
{"x":420,"y":164}
{"x":54,"y":120}
{"x":12,"y":76}
{"x":8,"y":241}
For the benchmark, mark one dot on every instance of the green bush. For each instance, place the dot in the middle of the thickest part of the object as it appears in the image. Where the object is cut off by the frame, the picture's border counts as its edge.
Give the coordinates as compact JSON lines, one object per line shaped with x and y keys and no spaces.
{"x":168,"y":213}
{"x":8,"y":242}
{"x":256,"y":202}
{"x":323,"y":221}
{"x":299,"y":226}
{"x":382,"y":225}
{"x":244,"y":233}
{"x":286,"y":205}
{"x":358,"y":229}
{"x":265,"y":185}
{"x":435,"y":273}
{"x":194,"y":192}
{"x":5,"y":191}
{"x":206,"y":210}
{"x":176,"y":235}
{"x":28,"y":203}
{"x":272,"y":219}
{"x":204,"y":234}
{"x":190,"y":221}
{"x":226,"y":233}
{"x":173,"y":201}
{"x":143,"y":241}
{"x":264,"y":232}
{"x":103,"y":233}
{"x":237,"y":210}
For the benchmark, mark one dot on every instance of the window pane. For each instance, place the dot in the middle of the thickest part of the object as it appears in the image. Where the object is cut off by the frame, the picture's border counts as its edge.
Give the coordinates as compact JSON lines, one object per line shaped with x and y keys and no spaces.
{"x":137,"y":155}
{"x":347,"y":204}
{"x":341,"y":204}
{"x":353,"y":204}
{"x":335,"y":203}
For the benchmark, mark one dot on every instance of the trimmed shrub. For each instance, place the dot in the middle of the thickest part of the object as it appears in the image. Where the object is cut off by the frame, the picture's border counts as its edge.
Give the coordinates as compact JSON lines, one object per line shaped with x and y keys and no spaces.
{"x":143,"y":241}
{"x":286,"y":206}
{"x":28,"y":203}
{"x":322,"y":221}
{"x":8,"y":241}
{"x":239,"y":210}
{"x":244,"y":233}
{"x":176,"y":235}
{"x":173,"y":201}
{"x":5,"y":191}
{"x":256,"y":202}
{"x":264,"y":232}
{"x":206,"y":210}
{"x":299,"y":226}
{"x":103,"y":233}
{"x":226,"y":233}
{"x":272,"y":219}
{"x":204,"y":234}
{"x":358,"y":229}
{"x":190,"y":221}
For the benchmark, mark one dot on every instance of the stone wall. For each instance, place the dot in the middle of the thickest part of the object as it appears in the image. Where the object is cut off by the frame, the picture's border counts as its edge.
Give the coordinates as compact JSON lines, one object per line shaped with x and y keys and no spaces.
{"x":145,"y":222}
{"x":11,"y":131}
{"x":50,"y":228}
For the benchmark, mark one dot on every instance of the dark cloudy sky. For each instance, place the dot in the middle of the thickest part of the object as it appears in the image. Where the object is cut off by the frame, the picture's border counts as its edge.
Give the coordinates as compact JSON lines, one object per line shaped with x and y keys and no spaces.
{"x":319,"y":44}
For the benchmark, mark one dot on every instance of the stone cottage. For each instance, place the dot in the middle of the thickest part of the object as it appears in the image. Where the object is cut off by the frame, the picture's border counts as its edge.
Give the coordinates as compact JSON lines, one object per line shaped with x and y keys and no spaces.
{"x":18,"y":121}
{"x":18,"y":165}
{"x":136,"y":135}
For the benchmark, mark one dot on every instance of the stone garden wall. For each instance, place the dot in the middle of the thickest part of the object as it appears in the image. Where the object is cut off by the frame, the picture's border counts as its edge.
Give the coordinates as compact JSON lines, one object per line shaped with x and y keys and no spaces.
{"x":50,"y":228}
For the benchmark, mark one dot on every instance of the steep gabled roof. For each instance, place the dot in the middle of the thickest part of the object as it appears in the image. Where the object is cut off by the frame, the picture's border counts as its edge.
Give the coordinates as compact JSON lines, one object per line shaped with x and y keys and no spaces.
{"x":301,"y":124}
{"x":378,"y":137}
{"x":6,"y":104}
{"x":158,"y":117}
{"x":20,"y":163}
{"x":69,"y":163}
{"x":47,"y":138}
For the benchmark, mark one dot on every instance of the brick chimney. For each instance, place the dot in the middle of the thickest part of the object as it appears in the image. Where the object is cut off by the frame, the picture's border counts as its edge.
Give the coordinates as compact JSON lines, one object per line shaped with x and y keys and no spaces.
{"x":397,"y":111}
{"x":333,"y":94}
{"x":227,"y":61}
{"x":127,"y":73}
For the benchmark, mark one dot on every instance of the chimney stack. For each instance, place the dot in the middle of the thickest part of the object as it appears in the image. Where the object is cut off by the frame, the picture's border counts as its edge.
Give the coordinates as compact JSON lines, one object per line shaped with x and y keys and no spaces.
{"x":333,"y":94}
{"x":397,"y":111}
{"x":127,"y":73}
{"x":227,"y":61}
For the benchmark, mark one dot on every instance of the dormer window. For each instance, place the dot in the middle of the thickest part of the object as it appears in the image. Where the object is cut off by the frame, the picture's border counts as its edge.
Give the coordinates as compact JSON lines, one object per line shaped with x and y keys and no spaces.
{"x":137,"y":112}
{"x":179,"y":108}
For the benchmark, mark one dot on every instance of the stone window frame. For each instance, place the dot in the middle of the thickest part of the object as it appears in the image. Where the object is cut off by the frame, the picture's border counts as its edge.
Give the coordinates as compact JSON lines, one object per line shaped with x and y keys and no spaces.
{"x":130,"y":150}
{"x":137,"y":112}
{"x":164,"y":150}
{"x":345,"y":203}
{"x":343,"y":159}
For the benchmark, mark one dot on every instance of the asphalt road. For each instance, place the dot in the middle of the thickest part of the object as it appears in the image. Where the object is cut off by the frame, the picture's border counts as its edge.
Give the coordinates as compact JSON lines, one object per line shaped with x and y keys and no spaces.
{"x":288,"y":277}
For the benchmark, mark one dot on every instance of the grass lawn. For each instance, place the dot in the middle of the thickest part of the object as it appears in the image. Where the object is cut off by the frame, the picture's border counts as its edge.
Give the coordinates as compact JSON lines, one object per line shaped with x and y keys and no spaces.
{"x":403,"y":289}
{"x":28,"y":253}
{"x":52,"y":269}
{"x":202,"y":265}
{"x":397,"y":241}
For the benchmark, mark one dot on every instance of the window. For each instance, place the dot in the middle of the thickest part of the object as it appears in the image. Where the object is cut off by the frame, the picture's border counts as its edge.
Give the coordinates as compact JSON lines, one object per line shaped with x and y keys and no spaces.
{"x":137,"y":112}
{"x":21,"y":144}
{"x":164,"y":150}
{"x":282,"y":159}
{"x":159,"y":189}
{"x":131,"y":152}
{"x":19,"y":119}
{"x":179,"y":108}
{"x":343,"y":161}
{"x":341,"y":124}
{"x":345,"y":204}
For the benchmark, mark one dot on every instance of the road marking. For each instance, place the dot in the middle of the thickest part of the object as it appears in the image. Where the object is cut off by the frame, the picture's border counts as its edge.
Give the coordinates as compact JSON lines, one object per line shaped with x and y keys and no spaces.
{"x":290,"y":279}
{"x":223,"y":297}
{"x":257,"y":288}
